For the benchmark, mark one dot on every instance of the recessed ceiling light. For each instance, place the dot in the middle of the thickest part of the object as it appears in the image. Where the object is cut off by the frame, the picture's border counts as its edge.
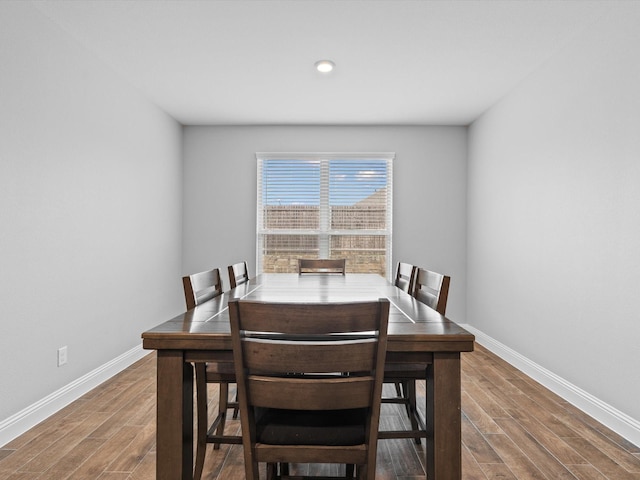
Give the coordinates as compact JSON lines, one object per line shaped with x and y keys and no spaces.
{"x":325,"y":66}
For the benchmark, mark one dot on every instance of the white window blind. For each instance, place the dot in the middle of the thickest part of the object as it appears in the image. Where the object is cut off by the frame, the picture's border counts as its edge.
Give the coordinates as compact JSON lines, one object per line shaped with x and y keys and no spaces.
{"x":324,"y":205}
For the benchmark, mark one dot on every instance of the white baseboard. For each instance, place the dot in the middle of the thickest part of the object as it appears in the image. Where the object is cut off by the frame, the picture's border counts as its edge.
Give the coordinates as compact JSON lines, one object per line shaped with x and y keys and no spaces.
{"x":619,"y":422}
{"x":609,"y":416}
{"x":27,"y":418}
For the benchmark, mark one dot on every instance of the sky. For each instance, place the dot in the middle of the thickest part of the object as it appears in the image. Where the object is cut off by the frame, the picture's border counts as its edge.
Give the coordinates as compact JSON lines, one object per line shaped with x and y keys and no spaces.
{"x":298,"y":182}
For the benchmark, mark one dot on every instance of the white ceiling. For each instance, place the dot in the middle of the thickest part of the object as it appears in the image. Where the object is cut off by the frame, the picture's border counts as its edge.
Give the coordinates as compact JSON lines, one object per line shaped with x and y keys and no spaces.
{"x":252,"y":62}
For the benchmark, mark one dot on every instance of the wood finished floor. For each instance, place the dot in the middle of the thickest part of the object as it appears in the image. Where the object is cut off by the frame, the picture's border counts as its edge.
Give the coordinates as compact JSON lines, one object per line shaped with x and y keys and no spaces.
{"x":512,"y":428}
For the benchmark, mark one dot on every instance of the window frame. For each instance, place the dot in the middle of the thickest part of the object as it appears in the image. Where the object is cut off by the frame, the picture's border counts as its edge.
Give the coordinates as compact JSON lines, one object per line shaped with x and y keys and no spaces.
{"x":324,"y":230}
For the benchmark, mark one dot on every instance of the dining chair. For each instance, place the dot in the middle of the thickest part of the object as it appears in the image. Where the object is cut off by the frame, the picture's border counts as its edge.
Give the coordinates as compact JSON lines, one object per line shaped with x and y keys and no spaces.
{"x":432,"y":289}
{"x":321,"y":265}
{"x":405,"y":275}
{"x":327,"y":412}
{"x":238,"y":274}
{"x":198,"y":288}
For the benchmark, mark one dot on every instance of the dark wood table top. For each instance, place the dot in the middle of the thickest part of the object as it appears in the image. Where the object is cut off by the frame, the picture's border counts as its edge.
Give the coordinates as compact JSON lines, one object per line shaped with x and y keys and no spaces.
{"x":412,"y":325}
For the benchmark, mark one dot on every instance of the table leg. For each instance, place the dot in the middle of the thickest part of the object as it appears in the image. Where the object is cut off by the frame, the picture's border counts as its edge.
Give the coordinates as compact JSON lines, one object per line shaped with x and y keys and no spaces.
{"x":444,"y":437}
{"x":174,"y":435}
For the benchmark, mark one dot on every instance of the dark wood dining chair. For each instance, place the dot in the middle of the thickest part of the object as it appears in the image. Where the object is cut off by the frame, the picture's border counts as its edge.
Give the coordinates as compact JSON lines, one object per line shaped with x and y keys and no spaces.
{"x":321,"y":265}
{"x":238,"y":274}
{"x":320,"y":414}
{"x":405,"y":275}
{"x":432,"y":289}
{"x":198,"y":288}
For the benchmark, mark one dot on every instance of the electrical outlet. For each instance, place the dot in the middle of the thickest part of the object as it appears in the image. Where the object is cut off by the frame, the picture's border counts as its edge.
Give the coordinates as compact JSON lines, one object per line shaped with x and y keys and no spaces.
{"x":62,"y":356}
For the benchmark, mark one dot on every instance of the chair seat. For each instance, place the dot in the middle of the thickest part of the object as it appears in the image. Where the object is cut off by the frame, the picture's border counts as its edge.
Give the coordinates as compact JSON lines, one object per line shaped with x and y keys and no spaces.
{"x":303,"y":427}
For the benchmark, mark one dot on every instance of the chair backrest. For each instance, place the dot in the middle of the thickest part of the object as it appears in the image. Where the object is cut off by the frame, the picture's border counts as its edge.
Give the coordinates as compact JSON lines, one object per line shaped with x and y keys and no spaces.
{"x":432,"y":289}
{"x":337,"y":352}
{"x":321,"y":265}
{"x":405,"y":276}
{"x":201,"y":287}
{"x":238,"y":274}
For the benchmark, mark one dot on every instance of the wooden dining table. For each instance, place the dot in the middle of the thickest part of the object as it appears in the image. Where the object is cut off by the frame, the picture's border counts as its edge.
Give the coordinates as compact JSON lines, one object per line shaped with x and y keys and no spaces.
{"x":416,"y":334}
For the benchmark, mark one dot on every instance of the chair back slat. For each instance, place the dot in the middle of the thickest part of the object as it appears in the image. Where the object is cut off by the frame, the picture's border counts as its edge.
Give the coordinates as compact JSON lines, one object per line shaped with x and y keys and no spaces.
{"x":321,"y":265}
{"x":202,"y":286}
{"x":432,"y":289}
{"x":301,"y":394}
{"x":282,"y":356}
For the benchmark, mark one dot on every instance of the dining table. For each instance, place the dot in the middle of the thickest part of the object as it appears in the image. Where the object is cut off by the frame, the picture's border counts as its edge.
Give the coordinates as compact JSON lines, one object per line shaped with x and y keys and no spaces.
{"x":416,"y":334}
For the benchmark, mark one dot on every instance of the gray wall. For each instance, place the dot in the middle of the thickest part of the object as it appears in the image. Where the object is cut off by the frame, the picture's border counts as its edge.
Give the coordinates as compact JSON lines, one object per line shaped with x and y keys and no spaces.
{"x":554,"y":214}
{"x":90,"y":210}
{"x":93,"y":225}
{"x":429,"y":209}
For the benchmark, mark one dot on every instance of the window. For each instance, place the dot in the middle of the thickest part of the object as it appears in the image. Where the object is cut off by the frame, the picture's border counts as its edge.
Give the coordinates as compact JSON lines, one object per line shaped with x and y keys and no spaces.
{"x":317,"y":205}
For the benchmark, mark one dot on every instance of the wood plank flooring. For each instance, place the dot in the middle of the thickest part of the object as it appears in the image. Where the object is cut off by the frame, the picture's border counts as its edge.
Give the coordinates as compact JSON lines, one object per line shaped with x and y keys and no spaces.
{"x":513,"y":428}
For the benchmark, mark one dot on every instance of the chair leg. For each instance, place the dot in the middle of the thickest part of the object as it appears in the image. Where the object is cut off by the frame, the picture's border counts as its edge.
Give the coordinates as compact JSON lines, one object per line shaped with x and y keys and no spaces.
{"x":272,"y":471}
{"x":398,"y":386}
{"x":235,"y":409}
{"x":202,"y":418}
{"x":222,"y":410}
{"x":412,"y":408}
{"x":406,"y":396}
{"x":251,"y":470}
{"x":350,"y":470}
